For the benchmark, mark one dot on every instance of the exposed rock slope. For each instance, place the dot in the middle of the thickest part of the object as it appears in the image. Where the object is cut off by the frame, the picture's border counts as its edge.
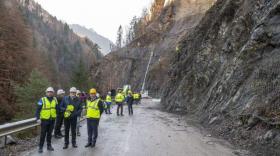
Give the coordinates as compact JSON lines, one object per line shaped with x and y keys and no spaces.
{"x":128,"y":65}
{"x":227,"y":73}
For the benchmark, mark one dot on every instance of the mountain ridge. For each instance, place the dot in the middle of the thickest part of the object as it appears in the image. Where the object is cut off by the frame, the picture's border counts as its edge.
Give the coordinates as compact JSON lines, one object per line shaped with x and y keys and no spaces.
{"x":103,"y":42}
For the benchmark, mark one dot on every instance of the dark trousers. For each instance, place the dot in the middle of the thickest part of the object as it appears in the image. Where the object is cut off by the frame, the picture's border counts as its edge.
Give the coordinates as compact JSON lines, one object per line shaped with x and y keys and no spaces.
{"x":108,"y":108}
{"x":137,"y":102}
{"x":70,"y":123}
{"x":58,"y":124}
{"x":46,"y":130}
{"x":78,"y":124}
{"x":92,"y":127}
{"x":120,"y":106}
{"x":130,"y":109}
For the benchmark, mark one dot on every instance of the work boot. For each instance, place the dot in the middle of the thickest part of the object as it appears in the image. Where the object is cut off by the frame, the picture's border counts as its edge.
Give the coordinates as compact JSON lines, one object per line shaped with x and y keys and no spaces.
{"x":87,"y":145}
{"x":65,"y":146}
{"x":93,"y":144}
{"x":74,"y":145}
{"x":50,"y":148}
{"x":40,"y":150}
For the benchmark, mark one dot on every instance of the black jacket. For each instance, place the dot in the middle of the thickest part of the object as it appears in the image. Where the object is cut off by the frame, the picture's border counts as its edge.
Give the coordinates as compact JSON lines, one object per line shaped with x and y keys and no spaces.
{"x":129,"y":100}
{"x":76,"y":102}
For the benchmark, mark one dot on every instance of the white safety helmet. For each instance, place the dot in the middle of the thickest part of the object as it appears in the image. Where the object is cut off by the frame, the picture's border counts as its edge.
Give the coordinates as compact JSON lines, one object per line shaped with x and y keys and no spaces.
{"x":50,"y":89}
{"x":78,"y":92}
{"x":97,"y":95}
{"x":73,"y":90}
{"x":60,"y":91}
{"x":109,"y":93}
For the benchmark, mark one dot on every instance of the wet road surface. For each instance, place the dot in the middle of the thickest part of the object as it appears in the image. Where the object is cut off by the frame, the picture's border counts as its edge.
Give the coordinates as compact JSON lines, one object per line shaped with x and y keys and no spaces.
{"x":150,"y":132}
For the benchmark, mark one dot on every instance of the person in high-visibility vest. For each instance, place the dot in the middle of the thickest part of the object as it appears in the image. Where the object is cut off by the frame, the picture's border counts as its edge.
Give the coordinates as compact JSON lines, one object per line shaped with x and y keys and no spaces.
{"x":119,"y":98}
{"x":94,"y":110}
{"x":71,"y":105}
{"x":45,"y":114}
{"x":108,"y":102}
{"x":137,"y":98}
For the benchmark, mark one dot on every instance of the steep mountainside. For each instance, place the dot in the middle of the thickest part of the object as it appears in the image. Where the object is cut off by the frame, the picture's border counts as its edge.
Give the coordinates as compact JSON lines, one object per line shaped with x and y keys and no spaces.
{"x":128,"y":65}
{"x":226,"y":73}
{"x":60,"y":47}
{"x":15,"y":51}
{"x":102,"y":42}
{"x":30,"y":38}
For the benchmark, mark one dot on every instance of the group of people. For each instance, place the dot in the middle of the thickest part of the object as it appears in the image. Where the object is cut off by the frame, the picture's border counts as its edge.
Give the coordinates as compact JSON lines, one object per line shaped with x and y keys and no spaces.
{"x":53,"y":111}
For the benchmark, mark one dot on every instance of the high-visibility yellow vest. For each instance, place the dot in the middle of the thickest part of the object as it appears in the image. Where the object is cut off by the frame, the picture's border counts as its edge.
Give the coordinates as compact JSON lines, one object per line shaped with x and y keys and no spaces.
{"x":68,"y":111}
{"x":119,"y":97}
{"x":136,"y":96}
{"x":93,"y":109}
{"x":108,"y":98}
{"x":48,"y":109}
{"x":124,"y":94}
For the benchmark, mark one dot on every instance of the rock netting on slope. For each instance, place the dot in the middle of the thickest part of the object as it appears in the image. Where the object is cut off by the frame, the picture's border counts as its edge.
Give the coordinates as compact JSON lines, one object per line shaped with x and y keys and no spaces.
{"x":227,"y":73}
{"x":128,"y":65}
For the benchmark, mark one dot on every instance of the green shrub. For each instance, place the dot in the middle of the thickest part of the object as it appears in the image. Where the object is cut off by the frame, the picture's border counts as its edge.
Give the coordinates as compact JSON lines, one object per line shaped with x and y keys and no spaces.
{"x":29,"y":93}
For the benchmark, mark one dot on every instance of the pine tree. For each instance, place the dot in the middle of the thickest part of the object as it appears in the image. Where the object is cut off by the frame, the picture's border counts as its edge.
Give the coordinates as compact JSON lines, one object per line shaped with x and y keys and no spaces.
{"x":131,"y":31}
{"x":29,"y":93}
{"x":119,"y":37}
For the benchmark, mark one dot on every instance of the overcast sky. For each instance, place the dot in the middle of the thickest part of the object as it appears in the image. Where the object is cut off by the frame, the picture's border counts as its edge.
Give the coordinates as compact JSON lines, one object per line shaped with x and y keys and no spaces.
{"x":104,"y":16}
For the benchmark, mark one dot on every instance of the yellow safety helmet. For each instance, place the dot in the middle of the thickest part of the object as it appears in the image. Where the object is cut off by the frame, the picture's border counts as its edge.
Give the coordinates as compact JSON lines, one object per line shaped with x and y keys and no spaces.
{"x":120,"y":90}
{"x":92,"y":91}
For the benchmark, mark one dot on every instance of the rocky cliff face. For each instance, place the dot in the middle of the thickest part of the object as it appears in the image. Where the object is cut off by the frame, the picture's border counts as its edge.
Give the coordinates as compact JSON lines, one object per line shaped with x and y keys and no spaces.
{"x":128,"y":65}
{"x":31,"y":38}
{"x":191,"y":7}
{"x":226,"y":73}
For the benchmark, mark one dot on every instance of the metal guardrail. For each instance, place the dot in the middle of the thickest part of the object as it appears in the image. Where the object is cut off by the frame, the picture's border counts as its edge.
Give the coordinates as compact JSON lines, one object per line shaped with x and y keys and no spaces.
{"x":18,"y":126}
{"x":14,"y":127}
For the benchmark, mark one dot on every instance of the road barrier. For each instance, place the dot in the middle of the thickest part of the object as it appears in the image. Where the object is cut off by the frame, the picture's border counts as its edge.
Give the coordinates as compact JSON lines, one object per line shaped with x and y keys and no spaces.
{"x":14,"y":127}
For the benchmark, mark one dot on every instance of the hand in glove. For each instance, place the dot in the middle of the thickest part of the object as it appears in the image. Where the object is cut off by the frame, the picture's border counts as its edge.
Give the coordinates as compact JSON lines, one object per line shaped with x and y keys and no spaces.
{"x":38,"y":121}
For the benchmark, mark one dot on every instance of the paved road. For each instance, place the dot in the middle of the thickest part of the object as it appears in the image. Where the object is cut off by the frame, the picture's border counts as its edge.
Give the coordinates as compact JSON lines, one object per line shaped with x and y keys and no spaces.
{"x":150,"y":132}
